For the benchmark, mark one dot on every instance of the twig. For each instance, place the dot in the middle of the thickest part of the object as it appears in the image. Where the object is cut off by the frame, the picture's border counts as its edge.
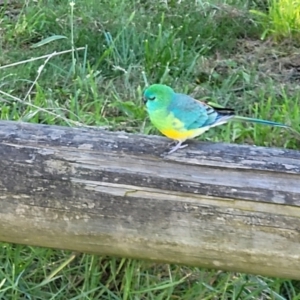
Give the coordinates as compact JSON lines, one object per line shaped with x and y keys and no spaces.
{"x":40,"y":108}
{"x":39,"y":71}
{"x":40,"y":57}
{"x":68,"y":121}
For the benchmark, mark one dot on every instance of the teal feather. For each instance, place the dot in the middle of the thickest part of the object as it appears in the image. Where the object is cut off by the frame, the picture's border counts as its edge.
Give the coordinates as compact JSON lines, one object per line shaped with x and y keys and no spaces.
{"x":195,"y":114}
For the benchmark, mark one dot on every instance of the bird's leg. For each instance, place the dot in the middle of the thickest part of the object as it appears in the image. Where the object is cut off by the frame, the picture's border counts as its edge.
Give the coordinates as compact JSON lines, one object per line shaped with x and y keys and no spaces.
{"x":172,"y":143}
{"x":177,"y":146}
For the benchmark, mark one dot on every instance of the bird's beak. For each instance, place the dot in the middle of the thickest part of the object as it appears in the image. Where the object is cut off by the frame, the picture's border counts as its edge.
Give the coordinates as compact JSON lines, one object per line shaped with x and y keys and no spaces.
{"x":144,"y":99}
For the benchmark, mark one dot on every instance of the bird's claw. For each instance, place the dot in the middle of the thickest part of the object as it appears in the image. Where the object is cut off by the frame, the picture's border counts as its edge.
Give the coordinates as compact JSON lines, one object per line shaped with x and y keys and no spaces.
{"x":177,"y":146}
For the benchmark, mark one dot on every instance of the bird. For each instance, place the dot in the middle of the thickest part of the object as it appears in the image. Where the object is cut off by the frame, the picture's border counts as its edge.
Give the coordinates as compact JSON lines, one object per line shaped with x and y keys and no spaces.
{"x":181,"y":117}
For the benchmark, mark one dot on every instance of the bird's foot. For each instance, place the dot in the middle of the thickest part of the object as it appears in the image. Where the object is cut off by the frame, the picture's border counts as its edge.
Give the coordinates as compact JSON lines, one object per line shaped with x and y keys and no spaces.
{"x":177,"y":146}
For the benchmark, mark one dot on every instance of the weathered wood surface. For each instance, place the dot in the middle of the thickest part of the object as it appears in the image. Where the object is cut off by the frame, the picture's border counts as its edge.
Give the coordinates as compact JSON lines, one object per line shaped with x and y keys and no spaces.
{"x":219,"y":206}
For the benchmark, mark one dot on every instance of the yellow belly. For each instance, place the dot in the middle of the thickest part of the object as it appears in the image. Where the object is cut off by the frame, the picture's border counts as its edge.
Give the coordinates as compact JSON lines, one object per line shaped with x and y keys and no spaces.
{"x":183,"y":135}
{"x":173,"y":128}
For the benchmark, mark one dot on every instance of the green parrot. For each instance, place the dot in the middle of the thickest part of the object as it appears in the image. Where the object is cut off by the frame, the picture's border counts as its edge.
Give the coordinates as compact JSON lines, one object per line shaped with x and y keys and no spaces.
{"x":181,"y":117}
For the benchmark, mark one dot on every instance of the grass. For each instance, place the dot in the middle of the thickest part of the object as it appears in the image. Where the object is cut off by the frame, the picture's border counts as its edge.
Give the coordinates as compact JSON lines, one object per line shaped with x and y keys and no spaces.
{"x":281,"y":20}
{"x":93,"y":75}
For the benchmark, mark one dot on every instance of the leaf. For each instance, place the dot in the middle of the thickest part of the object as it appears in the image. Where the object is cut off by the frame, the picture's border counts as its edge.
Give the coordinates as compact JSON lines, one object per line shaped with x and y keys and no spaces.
{"x":48,"y":40}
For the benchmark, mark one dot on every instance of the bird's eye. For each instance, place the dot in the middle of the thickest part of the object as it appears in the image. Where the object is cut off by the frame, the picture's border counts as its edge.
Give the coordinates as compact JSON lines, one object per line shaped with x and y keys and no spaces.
{"x":152,"y":98}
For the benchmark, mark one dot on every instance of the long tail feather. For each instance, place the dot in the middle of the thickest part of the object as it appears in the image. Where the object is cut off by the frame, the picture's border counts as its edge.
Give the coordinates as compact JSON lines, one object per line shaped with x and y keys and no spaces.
{"x":265,"y":122}
{"x":230,"y":113}
{"x":259,"y":121}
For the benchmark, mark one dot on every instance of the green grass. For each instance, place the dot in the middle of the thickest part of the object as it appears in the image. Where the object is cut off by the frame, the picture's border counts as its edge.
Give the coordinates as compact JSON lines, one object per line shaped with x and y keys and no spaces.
{"x":210,"y":50}
{"x":281,"y":20}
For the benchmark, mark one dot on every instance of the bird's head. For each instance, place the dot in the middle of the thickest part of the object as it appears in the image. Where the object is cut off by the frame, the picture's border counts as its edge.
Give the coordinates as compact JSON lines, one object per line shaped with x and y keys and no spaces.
{"x":158,"y":94}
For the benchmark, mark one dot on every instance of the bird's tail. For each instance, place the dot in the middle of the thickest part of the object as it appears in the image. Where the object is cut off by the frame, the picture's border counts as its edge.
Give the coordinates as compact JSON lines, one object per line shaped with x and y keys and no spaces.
{"x":265,"y":122}
{"x":224,"y":115}
{"x":228,"y":114}
{"x":259,"y":121}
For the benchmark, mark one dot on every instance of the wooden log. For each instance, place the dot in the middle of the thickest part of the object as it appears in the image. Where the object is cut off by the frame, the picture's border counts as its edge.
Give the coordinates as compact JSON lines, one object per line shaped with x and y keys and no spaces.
{"x":218,"y":206}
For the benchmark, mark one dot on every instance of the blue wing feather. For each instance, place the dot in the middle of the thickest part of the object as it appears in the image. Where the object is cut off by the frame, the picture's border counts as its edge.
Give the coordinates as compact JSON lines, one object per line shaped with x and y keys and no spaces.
{"x":192,"y":113}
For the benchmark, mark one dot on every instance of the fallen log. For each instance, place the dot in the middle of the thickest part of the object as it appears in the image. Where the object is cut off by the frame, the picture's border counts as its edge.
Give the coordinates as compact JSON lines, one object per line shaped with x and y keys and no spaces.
{"x":213,"y":205}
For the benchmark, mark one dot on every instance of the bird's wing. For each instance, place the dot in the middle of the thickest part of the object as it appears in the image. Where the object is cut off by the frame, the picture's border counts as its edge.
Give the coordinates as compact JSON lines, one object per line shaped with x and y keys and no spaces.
{"x":192,"y":113}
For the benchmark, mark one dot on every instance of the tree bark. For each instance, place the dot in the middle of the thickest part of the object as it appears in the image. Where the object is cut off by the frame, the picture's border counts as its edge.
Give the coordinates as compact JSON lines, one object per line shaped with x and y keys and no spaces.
{"x":220,"y":206}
